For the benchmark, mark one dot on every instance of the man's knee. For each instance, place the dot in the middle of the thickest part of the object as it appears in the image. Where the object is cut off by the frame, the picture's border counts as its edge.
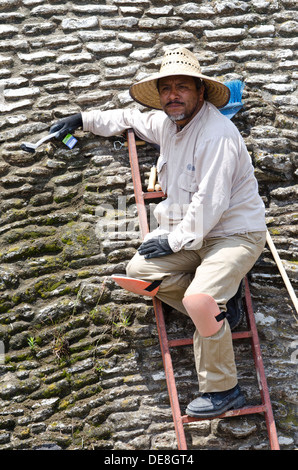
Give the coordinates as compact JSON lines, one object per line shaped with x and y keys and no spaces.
{"x":139,"y":268}
{"x":131,"y":269}
{"x":204,"y":312}
{"x":135,"y":267}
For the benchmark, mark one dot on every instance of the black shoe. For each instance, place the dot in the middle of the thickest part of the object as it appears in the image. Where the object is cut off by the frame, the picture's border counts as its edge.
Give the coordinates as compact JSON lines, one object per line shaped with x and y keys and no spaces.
{"x":213,"y":404}
{"x":235,"y":312}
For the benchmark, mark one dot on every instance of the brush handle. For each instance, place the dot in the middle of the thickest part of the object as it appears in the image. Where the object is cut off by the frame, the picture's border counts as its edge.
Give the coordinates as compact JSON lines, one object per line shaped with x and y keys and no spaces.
{"x":152,"y":179}
{"x":29,"y":147}
{"x":282,"y":270}
{"x":47,"y":137}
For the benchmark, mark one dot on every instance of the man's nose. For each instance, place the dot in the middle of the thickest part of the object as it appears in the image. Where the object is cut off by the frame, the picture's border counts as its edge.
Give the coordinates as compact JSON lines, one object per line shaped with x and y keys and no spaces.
{"x":173,"y":92}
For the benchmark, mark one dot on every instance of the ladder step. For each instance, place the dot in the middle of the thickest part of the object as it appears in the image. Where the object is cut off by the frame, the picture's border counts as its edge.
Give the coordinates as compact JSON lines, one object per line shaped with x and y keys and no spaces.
{"x":239,"y":412}
{"x":187,"y":341}
{"x":153,"y":195}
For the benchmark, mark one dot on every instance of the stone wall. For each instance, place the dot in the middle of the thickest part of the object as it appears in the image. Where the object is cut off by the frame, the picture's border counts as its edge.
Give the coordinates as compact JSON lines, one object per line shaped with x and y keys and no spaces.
{"x":81,"y":366}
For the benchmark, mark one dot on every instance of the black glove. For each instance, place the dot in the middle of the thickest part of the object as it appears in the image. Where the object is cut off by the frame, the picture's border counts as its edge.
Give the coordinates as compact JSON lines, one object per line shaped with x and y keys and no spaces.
{"x":155,"y":247}
{"x":67,"y":125}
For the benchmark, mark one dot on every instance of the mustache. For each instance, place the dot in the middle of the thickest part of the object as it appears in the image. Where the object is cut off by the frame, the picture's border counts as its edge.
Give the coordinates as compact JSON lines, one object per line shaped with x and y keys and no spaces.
{"x":174,"y":102}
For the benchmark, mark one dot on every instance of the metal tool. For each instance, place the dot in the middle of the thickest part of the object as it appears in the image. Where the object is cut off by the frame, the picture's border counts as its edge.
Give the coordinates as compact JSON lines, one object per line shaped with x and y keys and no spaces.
{"x":29,"y":147}
{"x":69,"y":140}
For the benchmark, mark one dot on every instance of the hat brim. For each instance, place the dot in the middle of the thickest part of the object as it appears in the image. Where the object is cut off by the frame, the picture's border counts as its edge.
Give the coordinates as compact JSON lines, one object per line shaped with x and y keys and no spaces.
{"x":146,"y":93}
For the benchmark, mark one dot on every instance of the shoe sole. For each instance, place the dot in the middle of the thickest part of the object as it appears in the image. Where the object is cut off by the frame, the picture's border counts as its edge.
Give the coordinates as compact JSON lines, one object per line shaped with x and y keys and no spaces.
{"x":237,"y":403}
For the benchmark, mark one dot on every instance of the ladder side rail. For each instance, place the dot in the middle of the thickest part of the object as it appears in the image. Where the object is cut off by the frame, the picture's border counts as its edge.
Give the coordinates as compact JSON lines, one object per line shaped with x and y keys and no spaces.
{"x":137,"y":183}
{"x":261,"y":376}
{"x":160,"y":322}
{"x":169,"y":372}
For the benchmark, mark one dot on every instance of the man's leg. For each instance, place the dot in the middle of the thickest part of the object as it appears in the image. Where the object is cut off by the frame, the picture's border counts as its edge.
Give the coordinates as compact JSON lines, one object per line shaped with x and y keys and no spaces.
{"x":225,"y":261}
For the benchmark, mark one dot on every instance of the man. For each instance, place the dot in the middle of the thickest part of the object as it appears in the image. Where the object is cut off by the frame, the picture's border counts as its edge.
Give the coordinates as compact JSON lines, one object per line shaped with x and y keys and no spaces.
{"x":211,"y":226}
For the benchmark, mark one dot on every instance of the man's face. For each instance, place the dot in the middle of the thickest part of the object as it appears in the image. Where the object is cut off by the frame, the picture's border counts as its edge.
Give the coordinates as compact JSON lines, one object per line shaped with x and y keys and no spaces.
{"x":180,"y":99}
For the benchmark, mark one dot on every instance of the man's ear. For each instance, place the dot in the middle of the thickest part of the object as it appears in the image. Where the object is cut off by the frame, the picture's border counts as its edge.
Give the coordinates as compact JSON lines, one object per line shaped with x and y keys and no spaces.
{"x":202,"y":93}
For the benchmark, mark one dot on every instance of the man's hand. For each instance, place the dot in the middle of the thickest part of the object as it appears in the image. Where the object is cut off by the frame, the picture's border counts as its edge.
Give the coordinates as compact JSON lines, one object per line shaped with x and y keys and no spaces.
{"x":67,"y":126}
{"x":155,"y":247}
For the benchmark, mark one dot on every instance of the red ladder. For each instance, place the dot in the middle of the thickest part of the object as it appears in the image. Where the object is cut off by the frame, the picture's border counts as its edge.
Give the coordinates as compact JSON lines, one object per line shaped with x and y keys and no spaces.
{"x":165,"y":344}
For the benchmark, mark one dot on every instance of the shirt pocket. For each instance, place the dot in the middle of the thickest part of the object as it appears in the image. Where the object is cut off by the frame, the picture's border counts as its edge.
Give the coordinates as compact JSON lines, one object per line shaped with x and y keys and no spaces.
{"x":187,"y":186}
{"x":161,"y":167}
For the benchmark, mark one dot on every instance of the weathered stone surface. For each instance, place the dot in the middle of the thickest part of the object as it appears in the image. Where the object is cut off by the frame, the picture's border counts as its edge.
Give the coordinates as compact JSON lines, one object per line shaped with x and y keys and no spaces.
{"x":75,"y":24}
{"x":7,"y":31}
{"x":80,"y":362}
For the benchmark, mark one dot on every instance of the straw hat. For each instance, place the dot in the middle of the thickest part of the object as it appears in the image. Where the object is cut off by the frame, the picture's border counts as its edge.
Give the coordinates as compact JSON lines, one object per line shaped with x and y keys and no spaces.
{"x":178,"y":62}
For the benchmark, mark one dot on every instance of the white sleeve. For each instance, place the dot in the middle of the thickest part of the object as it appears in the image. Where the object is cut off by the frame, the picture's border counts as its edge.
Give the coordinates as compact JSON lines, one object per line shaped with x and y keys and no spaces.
{"x":148,"y":126}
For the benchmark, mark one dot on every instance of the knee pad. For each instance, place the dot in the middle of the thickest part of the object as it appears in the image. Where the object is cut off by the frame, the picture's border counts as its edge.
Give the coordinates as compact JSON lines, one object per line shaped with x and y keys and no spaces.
{"x":137,"y":286}
{"x":204,"y":312}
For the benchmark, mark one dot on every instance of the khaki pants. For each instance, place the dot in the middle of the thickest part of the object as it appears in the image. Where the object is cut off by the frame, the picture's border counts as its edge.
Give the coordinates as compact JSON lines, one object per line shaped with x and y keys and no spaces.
{"x":217,"y":269}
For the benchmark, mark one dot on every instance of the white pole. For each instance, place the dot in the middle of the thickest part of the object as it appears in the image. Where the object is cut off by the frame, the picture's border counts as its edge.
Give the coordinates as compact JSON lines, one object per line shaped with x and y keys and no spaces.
{"x":282,"y":270}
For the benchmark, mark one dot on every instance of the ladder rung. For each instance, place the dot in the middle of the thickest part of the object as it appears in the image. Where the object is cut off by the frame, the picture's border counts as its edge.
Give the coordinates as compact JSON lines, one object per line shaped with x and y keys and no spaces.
{"x":247,"y":410}
{"x":242,"y":334}
{"x":153,"y":195}
{"x":187,"y":341}
{"x":180,"y":342}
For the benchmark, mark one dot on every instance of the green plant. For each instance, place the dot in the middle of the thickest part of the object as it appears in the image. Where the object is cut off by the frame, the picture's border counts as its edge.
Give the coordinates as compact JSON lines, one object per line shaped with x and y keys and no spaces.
{"x":122,"y":324}
{"x":32,"y":344}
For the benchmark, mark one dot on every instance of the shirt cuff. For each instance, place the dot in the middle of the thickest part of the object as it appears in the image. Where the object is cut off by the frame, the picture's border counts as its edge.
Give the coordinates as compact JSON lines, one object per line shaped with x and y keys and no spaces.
{"x":85,"y":121}
{"x":191,"y":245}
{"x":173,"y":242}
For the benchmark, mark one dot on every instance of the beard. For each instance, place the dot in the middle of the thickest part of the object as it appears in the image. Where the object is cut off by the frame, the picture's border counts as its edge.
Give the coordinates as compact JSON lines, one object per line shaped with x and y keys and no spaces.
{"x":174,"y":117}
{"x":180,"y":117}
{"x":186,"y":114}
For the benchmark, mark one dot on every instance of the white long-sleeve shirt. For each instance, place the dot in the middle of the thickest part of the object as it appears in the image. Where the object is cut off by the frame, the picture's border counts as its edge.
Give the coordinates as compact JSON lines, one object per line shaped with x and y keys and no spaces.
{"x":205,"y":171}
